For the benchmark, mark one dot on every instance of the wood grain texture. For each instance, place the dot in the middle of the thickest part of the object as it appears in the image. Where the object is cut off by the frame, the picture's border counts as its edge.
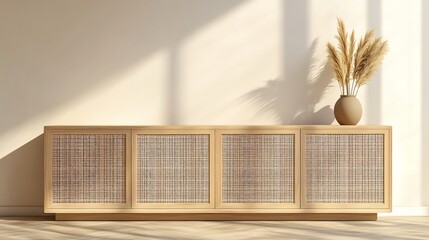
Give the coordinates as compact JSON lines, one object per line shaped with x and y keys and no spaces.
{"x":47,"y":228}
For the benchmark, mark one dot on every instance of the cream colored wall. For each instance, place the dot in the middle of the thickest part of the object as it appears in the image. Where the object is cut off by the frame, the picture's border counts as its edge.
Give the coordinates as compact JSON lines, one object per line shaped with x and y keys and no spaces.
{"x":105,"y":62}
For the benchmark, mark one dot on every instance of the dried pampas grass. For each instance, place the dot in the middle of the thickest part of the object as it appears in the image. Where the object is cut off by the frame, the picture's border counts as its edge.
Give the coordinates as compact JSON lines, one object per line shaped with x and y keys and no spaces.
{"x":353,"y":66}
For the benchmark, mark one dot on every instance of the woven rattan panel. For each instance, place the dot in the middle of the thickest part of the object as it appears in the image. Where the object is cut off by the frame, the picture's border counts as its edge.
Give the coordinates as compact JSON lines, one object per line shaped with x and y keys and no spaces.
{"x":88,"y":168}
{"x":345,"y":168}
{"x":173,"y":168}
{"x":258,"y":168}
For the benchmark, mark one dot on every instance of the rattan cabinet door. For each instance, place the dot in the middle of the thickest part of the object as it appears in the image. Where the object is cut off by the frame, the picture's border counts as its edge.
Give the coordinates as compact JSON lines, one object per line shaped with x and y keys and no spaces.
{"x":346,"y":169}
{"x":173,"y":168}
{"x":87,"y":169}
{"x":257,"y":168}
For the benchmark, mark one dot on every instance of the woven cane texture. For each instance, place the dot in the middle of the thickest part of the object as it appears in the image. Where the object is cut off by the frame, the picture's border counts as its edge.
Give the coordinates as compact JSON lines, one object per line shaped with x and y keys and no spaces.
{"x":258,"y":168}
{"x":345,"y":168}
{"x":88,"y":168}
{"x":173,"y":168}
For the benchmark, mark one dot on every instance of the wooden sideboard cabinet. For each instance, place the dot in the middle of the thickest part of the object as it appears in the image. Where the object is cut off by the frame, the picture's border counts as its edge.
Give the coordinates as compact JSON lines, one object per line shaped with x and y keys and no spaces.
{"x":217,"y":172}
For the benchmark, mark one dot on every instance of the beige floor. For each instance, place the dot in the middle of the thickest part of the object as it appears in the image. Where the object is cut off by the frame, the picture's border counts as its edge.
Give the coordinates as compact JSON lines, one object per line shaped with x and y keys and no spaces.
{"x":384,"y":228}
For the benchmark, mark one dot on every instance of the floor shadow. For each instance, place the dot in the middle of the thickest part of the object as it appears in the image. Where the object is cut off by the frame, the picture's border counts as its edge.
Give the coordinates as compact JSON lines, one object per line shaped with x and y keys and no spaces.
{"x":21,"y":175}
{"x":48,"y":218}
{"x":292,"y":100}
{"x":324,"y":230}
{"x":56,"y":52}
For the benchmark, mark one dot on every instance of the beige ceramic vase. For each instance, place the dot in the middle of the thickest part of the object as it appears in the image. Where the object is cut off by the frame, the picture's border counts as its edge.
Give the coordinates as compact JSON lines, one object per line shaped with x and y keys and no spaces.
{"x":348,"y":110}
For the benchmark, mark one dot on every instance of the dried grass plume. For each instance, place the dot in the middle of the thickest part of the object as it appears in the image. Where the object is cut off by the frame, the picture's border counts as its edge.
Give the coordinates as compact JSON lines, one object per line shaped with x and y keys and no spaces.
{"x":353,"y":66}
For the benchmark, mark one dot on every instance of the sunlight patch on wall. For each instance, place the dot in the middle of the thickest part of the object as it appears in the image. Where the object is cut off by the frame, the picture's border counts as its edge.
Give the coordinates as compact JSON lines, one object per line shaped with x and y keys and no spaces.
{"x":401,"y":93}
{"x":232,"y":55}
{"x":134,"y":97}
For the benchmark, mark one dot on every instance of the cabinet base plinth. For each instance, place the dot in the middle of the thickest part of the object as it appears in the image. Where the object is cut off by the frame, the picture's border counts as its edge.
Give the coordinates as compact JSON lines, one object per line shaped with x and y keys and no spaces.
{"x":216,"y":217}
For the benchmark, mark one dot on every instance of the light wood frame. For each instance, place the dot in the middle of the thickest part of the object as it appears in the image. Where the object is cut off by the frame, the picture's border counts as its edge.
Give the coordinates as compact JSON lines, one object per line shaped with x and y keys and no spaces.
{"x":216,"y":206}
{"x":51,"y":207}
{"x":209,"y":132}
{"x":216,"y":217}
{"x":289,"y":131}
{"x":365,"y":207}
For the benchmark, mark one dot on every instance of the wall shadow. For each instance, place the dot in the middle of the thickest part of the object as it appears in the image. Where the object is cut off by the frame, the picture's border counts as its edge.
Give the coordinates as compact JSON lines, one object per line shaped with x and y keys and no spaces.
{"x":425,"y":104}
{"x":292,"y":99}
{"x":21,"y":178}
{"x":56,"y":51}
{"x":374,"y":93}
{"x":173,"y":97}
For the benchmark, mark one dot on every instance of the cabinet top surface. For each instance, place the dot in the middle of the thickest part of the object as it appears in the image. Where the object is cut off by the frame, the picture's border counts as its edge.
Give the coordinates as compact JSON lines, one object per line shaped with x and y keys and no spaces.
{"x":214,"y":127}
